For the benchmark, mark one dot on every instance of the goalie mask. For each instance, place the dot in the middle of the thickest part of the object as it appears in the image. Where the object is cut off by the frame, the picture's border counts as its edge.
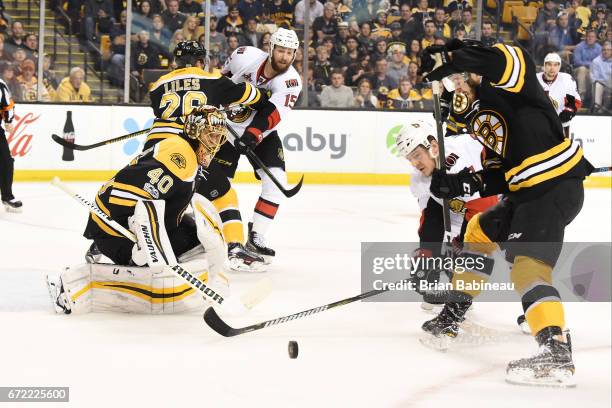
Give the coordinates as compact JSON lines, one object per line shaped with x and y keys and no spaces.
{"x":208,"y":126}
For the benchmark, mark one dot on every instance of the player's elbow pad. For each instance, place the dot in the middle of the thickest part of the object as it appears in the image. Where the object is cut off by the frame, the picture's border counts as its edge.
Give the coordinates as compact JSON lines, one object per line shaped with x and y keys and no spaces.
{"x":493,"y":182}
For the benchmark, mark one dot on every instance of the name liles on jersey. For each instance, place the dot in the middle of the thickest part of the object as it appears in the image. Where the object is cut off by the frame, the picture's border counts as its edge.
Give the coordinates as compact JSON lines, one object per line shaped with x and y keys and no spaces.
{"x":187,"y":84}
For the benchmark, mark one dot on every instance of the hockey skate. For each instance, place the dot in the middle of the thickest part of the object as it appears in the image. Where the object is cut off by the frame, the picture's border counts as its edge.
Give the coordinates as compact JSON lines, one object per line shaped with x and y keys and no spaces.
{"x":257,"y":245}
{"x":241,"y":259}
{"x":551,"y":366}
{"x":13,"y":205}
{"x":93,"y":254}
{"x":57,"y":294}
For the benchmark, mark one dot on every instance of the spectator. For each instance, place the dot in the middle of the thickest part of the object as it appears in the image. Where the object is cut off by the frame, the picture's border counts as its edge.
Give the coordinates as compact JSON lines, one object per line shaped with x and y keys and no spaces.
{"x":599,"y":23}
{"x":73,"y":88}
{"x":379,"y":25}
{"x":31,"y":46}
{"x":601,"y":73}
{"x":396,"y":34}
{"x":397,"y":67}
{"x":380,"y":77}
{"x":340,"y":40}
{"x":316,"y":10}
{"x":487,"y":36}
{"x":177,"y":37}
{"x":313,"y":89}
{"x":98,"y":13}
{"x":17,"y":36}
{"x":322,"y":69}
{"x":562,"y":38}
{"x":29,"y":83}
{"x":545,"y":19}
{"x":232,"y":44}
{"x":264,"y":42}
{"x":359,"y":70}
{"x":466,"y":21}
{"x":5,"y":55}
{"x":584,"y":53}
{"x":281,"y":13}
{"x":380,"y":50}
{"x":422,"y":12}
{"x":326,"y":25}
{"x":249,"y":9}
{"x":411,"y":27}
{"x":365,"y":37}
{"x":364,"y":98}
{"x":159,"y":34}
{"x":9,"y":74}
{"x":145,"y":55}
{"x":265,"y":22}
{"x":218,"y":8}
{"x":19,"y":55}
{"x":156,"y":6}
{"x":459,"y":34}
{"x":352,"y":54}
{"x":173,"y":18}
{"x":217,"y":40}
{"x":440,"y":22}
{"x":404,"y":97}
{"x":337,"y":95}
{"x":580,"y":14}
{"x":190,"y":7}
{"x":141,"y":19}
{"x":414,"y":52}
{"x":191,"y":29}
{"x":428,"y":37}
{"x":249,"y":35}
{"x":455,"y":16}
{"x":117,"y":62}
{"x":232,"y":23}
{"x":49,"y":80}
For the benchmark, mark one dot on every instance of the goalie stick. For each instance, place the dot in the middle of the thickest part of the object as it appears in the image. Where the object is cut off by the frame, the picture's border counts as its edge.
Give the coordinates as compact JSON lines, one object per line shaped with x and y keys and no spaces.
{"x":74,"y":146}
{"x":214,"y":321}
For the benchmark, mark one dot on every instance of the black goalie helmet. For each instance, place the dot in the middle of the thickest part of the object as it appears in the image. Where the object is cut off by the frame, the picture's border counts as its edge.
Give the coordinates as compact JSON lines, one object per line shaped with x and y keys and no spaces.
{"x":187,"y":53}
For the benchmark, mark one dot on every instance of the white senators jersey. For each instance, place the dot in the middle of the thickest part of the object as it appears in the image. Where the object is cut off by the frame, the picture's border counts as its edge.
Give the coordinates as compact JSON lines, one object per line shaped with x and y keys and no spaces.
{"x":461,"y":151}
{"x":556,"y":90}
{"x":246,"y":64}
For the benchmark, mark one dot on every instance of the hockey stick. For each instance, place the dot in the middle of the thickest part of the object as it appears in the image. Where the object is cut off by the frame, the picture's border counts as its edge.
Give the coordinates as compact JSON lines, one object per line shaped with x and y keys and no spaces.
{"x":79,"y":147}
{"x":442,"y":156}
{"x":193,"y":281}
{"x":602,"y":169}
{"x":215,"y":322}
{"x":251,"y":155}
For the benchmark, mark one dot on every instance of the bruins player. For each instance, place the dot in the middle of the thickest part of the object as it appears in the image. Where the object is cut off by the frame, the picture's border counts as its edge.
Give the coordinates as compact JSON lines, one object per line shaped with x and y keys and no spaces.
{"x":458,"y":105}
{"x":540,"y":172}
{"x":177,"y":93}
{"x":149,"y":196}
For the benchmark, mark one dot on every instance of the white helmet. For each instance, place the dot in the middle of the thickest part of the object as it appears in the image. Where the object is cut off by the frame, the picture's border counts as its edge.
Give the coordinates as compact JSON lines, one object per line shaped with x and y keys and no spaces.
{"x":552,"y":57}
{"x":284,"y":38}
{"x":412,"y":136}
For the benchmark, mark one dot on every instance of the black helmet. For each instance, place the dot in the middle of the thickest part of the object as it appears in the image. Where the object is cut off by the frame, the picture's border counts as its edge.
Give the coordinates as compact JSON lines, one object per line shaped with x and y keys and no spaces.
{"x":187,"y":53}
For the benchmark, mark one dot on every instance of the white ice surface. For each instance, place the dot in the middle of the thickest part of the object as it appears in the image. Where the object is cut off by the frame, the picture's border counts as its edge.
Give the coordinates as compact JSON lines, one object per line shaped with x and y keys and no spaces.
{"x":360,"y":355}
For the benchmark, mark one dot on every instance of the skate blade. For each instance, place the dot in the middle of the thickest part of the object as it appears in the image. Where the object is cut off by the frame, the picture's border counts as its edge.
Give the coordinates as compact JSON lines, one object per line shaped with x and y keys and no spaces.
{"x":557,"y":378}
{"x":439,"y":343}
{"x":13,"y":210}
{"x":430,"y":308}
{"x":239,"y":266}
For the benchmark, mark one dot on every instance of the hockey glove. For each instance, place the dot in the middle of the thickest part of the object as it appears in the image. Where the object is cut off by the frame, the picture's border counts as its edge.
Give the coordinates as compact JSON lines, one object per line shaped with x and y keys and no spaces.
{"x":445,"y":185}
{"x":247,"y":141}
{"x":433,"y":57}
{"x":569,"y":111}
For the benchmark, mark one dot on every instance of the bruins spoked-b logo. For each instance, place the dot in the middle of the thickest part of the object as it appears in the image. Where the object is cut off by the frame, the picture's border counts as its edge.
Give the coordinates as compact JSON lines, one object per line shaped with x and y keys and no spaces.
{"x":179,"y":160}
{"x":491,"y":130}
{"x":460,"y":102}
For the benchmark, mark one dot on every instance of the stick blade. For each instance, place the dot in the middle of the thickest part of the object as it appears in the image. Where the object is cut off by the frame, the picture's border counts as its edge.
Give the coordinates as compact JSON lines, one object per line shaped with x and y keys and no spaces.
{"x":295,"y":189}
{"x":213,"y":321}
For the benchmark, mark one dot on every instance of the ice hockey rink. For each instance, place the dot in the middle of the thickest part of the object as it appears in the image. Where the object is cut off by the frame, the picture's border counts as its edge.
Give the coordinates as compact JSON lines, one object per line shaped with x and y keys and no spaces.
{"x":358,"y":355}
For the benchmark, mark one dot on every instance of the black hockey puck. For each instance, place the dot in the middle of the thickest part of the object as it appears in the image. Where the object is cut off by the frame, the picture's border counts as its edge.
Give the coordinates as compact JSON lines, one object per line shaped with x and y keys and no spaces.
{"x":293,"y":349}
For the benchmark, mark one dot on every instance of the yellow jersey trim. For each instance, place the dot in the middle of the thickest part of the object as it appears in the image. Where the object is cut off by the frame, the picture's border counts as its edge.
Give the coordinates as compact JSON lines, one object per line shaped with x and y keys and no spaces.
{"x":169,"y":149}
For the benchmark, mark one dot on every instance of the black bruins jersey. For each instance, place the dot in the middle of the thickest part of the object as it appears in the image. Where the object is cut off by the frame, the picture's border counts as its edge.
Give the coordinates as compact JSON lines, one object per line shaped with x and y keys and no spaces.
{"x":177,"y":93}
{"x":517,"y":123}
{"x":167,"y":171}
{"x":461,"y":111}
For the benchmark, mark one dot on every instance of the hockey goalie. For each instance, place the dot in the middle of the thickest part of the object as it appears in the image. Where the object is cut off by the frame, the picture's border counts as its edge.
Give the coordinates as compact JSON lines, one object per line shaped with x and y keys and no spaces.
{"x":151,"y":196}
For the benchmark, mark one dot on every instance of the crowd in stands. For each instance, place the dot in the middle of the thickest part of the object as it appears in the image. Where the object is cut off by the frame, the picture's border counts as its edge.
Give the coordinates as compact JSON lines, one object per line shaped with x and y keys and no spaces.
{"x":362,"y":53}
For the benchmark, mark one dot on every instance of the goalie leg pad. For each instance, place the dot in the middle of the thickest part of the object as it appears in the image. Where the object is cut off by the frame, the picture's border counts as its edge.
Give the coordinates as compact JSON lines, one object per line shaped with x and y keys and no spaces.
{"x":210,"y":233}
{"x":147,"y":223}
{"x":131,"y":289}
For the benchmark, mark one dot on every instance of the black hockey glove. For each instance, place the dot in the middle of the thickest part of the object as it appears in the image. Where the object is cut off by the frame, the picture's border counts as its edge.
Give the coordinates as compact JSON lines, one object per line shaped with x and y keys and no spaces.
{"x":570,"y":109}
{"x":445,"y":185}
{"x":248,"y":140}
{"x":433,"y":57}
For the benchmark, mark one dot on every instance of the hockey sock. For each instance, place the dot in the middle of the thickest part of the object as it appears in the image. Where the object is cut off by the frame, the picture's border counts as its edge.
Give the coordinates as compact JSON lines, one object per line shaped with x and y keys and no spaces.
{"x":541,"y":301}
{"x":227,"y":206}
{"x":269,"y":200}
